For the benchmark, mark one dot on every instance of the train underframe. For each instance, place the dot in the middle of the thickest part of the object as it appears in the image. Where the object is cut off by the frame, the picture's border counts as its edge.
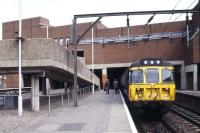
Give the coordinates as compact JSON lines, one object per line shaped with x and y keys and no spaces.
{"x":151,"y":109}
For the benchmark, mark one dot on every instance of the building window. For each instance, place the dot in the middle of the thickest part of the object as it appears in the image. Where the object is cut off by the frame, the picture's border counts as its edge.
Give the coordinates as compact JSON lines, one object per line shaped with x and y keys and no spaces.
{"x":61,"y":41}
{"x":80,"y":52}
{"x":67,"y":40}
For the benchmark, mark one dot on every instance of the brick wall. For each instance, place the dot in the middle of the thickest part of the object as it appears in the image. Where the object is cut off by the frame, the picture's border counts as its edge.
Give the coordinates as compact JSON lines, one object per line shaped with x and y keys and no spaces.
{"x":111,"y":53}
{"x":120,"y":53}
{"x":141,"y":29}
{"x":12,"y":81}
{"x":192,"y":54}
{"x":32,"y":28}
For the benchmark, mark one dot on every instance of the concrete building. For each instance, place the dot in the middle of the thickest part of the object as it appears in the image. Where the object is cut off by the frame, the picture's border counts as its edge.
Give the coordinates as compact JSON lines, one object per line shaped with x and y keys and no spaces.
{"x":114,"y":51}
{"x":45,"y":66}
{"x":35,"y":28}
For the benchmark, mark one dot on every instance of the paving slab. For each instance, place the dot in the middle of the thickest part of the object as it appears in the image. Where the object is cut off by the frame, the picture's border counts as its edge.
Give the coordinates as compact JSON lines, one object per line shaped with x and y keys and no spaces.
{"x":98,"y":113}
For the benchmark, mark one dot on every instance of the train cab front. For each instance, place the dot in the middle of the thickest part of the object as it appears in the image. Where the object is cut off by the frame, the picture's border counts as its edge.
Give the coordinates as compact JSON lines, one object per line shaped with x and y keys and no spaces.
{"x":150,"y":83}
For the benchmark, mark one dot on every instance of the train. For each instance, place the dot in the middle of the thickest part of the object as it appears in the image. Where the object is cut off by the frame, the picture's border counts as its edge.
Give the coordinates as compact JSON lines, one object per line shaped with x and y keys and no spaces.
{"x":148,"y":85}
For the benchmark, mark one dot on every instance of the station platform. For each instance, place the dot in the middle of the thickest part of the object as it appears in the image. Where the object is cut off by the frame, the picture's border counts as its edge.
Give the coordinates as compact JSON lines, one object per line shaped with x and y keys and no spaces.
{"x":98,"y":113}
{"x":188,"y":99}
{"x":187,"y":92}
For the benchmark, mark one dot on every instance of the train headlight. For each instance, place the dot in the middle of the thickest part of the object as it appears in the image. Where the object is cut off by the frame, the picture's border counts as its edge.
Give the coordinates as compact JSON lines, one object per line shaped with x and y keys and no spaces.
{"x":158,"y":62}
{"x":145,"y":62}
{"x":151,"y":62}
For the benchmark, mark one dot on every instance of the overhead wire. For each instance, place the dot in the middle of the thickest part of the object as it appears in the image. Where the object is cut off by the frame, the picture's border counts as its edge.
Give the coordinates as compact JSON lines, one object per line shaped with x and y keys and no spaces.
{"x":180,"y":14}
{"x":186,"y":8}
{"x":173,"y":9}
{"x":152,"y":17}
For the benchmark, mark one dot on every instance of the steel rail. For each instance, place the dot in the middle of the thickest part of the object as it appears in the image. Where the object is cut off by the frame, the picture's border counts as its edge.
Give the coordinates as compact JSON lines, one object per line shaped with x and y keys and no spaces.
{"x":186,"y":114}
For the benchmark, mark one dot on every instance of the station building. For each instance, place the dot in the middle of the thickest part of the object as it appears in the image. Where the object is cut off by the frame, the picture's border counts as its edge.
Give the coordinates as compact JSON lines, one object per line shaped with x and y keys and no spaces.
{"x":115,"y":50}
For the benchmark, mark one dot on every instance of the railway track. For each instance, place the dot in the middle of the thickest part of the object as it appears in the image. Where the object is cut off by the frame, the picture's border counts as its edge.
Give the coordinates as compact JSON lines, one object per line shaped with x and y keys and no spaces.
{"x":152,"y":125}
{"x":190,"y":119}
{"x":146,"y":125}
{"x":170,"y":123}
{"x":177,"y":120}
{"x":190,"y":116}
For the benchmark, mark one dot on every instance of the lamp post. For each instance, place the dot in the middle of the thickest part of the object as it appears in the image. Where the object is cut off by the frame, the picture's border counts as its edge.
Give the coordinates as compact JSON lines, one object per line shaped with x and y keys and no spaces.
{"x":20,"y":109}
{"x":92,"y":60}
{"x":75,"y":63}
{"x":47,"y":27}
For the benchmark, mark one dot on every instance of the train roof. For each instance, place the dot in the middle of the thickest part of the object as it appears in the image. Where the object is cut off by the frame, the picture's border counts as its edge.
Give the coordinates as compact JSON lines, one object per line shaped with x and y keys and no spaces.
{"x":150,"y":62}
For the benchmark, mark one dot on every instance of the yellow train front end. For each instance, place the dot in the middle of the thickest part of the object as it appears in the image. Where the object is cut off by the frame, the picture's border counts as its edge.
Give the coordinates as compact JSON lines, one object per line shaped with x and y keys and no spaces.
{"x":151,"y":84}
{"x":153,"y":92}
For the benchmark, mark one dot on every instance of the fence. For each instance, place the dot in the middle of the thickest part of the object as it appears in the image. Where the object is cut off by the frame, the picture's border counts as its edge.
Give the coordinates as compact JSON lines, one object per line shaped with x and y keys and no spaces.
{"x":10,"y":100}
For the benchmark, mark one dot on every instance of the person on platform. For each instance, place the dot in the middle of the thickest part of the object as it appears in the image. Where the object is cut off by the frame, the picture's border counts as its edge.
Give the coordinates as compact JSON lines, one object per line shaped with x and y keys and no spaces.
{"x":115,"y":85}
{"x":107,"y":86}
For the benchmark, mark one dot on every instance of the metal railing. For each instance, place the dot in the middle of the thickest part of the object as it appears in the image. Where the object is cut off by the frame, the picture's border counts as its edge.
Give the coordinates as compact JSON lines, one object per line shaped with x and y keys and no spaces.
{"x":68,"y":94}
{"x":14,"y":90}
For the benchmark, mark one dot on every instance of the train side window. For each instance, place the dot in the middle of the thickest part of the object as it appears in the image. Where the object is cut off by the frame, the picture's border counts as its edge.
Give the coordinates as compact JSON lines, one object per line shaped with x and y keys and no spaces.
{"x":152,"y":75}
{"x":167,"y":75}
{"x":129,"y":75}
{"x":137,"y":76}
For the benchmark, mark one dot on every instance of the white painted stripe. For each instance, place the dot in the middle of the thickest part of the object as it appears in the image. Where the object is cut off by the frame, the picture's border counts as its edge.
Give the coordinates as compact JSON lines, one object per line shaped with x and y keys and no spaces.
{"x":131,"y":123}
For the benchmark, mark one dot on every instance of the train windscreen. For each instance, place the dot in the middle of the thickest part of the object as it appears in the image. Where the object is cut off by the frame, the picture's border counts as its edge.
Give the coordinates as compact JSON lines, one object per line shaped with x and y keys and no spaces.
{"x":167,"y":75}
{"x":136,"y":76}
{"x":152,"y":75}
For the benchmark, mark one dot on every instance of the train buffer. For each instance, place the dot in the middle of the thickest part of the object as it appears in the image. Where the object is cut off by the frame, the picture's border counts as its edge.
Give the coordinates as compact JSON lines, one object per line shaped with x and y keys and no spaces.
{"x":98,"y":113}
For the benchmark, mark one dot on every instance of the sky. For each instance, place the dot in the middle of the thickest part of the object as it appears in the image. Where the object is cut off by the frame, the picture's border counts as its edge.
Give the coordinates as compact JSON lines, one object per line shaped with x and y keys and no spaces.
{"x":60,"y":12}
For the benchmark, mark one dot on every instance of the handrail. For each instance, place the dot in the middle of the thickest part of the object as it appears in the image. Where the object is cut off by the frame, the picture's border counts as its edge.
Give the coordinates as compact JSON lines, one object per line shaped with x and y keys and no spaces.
{"x":82,"y":91}
{"x":14,"y":88}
